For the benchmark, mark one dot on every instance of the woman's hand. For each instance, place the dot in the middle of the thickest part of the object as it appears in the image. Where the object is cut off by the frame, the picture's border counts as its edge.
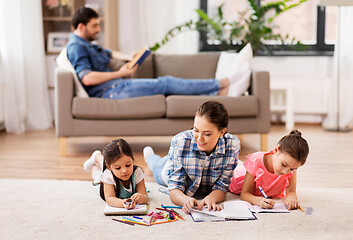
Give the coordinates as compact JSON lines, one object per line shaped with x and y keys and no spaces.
{"x":188,"y":205}
{"x":211,"y":205}
{"x":267,"y":203}
{"x":291,"y":204}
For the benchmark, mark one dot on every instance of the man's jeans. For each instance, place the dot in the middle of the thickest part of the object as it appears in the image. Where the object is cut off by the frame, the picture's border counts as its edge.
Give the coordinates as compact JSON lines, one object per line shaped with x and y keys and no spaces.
{"x":128,"y":88}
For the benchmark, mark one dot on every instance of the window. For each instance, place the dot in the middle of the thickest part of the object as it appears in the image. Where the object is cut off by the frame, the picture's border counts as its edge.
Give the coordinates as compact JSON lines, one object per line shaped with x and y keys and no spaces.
{"x":313,"y":25}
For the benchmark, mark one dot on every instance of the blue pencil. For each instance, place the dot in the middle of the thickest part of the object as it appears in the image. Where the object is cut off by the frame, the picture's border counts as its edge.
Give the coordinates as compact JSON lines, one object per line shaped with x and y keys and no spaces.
{"x":179,"y":207}
{"x":263,"y":192}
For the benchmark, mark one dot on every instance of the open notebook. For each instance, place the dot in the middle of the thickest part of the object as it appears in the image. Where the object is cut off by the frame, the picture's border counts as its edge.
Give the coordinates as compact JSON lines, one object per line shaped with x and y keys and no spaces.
{"x":234,"y":210}
{"x":229,"y":212}
{"x":278,"y":208}
{"x":140,"y":209}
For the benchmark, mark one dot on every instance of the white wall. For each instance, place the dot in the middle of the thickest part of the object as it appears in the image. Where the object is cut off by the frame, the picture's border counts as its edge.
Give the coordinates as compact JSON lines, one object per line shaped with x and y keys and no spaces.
{"x":2,"y":112}
{"x":50,"y":61}
{"x":310,"y":76}
{"x":143,"y":23}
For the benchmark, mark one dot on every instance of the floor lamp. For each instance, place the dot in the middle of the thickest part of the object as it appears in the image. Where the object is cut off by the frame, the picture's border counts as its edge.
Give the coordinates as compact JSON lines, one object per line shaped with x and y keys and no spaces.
{"x":339,"y":4}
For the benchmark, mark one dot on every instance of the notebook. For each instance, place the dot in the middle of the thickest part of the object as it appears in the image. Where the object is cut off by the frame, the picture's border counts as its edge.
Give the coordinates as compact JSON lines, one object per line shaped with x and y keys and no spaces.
{"x":235,"y":210}
{"x":278,"y":208}
{"x":229,"y":212}
{"x":138,"y":210}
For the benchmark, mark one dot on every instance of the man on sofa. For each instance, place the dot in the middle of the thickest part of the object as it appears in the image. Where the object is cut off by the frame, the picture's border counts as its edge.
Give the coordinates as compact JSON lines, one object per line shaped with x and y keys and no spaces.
{"x":90,"y":62}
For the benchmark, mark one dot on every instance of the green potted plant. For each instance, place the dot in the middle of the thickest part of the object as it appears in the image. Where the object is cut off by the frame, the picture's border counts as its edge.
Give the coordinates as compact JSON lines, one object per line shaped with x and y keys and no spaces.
{"x":254,"y":26}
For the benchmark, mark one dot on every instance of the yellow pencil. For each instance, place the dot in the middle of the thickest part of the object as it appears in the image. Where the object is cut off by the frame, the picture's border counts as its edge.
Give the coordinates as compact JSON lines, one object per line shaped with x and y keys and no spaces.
{"x":301,"y":208}
{"x":136,"y":222}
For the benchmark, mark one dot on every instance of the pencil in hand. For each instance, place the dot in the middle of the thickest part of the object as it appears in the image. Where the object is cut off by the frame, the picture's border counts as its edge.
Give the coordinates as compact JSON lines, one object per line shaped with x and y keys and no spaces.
{"x":301,"y":208}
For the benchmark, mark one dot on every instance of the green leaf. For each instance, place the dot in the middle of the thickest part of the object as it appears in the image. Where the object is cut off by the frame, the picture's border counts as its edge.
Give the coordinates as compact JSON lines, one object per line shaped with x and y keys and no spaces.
{"x":204,"y":16}
{"x":253,"y":26}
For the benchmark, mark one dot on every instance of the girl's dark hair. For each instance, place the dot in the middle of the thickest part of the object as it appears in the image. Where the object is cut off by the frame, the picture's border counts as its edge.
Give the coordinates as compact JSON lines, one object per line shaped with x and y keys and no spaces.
{"x":83,"y":15}
{"x":112,"y":152}
{"x":294,"y":145}
{"x":215,"y":113}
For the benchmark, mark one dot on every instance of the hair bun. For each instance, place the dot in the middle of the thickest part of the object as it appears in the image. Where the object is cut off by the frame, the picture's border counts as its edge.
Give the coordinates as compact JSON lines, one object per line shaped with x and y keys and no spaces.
{"x":296,"y":133}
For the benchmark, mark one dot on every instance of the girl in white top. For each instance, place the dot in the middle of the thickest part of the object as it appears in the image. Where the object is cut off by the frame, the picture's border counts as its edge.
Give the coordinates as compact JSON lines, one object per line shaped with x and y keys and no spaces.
{"x":117,"y":179}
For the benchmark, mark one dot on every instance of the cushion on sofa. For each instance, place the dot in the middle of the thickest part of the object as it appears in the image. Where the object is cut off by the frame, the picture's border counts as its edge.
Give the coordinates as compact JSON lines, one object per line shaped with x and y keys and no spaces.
{"x":131,"y":108}
{"x":229,"y":63}
{"x":200,"y":65}
{"x":186,"y":106}
{"x":63,"y":62}
{"x":145,"y":70}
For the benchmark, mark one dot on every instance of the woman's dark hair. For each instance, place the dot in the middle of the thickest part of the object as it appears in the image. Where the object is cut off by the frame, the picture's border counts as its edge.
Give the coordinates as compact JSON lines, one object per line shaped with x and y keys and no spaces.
{"x":112,"y":152}
{"x":215,"y":113}
{"x":83,"y":15}
{"x":294,"y":145}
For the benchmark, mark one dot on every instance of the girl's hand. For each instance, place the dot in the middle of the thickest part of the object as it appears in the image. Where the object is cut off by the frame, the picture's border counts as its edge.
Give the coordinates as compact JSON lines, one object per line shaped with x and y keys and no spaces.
{"x":187,"y":206}
{"x":128,"y":204}
{"x":291,"y":204}
{"x":267,"y":203}
{"x":211,"y":205}
{"x":137,"y":197}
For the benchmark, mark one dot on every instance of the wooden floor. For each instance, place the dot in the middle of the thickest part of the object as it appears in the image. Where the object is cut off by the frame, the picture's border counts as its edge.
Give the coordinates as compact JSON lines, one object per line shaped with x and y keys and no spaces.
{"x":36,"y":155}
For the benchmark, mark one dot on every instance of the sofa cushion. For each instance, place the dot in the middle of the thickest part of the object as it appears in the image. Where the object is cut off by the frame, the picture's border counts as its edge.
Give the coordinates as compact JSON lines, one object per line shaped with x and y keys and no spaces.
{"x":186,"y":106}
{"x":200,"y":65}
{"x":63,"y":62}
{"x":145,"y":70}
{"x":131,"y":108}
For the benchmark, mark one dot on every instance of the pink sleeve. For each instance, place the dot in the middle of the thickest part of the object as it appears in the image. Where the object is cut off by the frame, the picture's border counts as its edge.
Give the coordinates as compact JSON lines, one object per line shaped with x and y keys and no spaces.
{"x":250,"y":164}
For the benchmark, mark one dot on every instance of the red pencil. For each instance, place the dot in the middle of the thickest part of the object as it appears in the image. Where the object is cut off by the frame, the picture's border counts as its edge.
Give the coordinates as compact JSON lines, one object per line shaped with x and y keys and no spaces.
{"x":163,"y":209}
{"x":178,"y":214}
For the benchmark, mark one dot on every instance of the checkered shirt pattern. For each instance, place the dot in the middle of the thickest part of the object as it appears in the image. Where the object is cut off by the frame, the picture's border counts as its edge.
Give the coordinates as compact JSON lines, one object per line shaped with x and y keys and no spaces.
{"x":191,"y":168}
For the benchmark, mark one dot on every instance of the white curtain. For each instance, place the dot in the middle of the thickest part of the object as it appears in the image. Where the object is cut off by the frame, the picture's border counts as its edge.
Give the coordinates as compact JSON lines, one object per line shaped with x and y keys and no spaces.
{"x":22,"y":63}
{"x":145,"y":22}
{"x":343,"y":74}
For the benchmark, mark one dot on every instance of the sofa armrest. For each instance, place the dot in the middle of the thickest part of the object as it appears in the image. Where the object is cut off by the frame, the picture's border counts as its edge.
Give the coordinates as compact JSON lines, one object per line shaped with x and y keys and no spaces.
{"x":261,"y":89}
{"x":64,"y":93}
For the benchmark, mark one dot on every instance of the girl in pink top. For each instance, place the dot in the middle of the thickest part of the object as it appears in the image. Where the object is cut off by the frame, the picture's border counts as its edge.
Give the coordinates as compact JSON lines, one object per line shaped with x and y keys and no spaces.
{"x":274,"y":171}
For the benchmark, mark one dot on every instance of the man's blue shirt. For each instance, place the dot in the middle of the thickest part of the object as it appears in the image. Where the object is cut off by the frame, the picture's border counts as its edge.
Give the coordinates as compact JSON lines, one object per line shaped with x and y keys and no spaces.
{"x":86,"y":57}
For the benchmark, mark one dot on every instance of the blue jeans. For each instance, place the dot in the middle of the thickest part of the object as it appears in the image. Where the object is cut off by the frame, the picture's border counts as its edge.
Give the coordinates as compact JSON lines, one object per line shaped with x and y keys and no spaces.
{"x":128,"y":88}
{"x":155,"y":163}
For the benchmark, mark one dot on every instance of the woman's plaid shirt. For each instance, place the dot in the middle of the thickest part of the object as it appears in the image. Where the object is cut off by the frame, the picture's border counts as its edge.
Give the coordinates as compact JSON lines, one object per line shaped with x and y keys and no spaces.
{"x":190,"y":168}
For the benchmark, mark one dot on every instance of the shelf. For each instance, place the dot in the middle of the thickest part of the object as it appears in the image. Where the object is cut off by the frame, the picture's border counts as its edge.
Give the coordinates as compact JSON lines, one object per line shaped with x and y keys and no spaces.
{"x":64,"y":19}
{"x":53,"y":53}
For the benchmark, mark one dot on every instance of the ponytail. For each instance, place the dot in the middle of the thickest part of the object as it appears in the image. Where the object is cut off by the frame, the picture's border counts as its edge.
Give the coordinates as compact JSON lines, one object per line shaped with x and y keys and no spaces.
{"x":295,"y":145}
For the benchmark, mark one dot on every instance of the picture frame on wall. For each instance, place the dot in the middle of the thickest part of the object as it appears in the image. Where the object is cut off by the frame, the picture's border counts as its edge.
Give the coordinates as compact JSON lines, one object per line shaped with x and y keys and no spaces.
{"x":57,"y":40}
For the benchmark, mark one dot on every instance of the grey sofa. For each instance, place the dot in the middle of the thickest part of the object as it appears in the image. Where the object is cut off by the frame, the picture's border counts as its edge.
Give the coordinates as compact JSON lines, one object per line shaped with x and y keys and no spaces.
{"x":158,"y":115}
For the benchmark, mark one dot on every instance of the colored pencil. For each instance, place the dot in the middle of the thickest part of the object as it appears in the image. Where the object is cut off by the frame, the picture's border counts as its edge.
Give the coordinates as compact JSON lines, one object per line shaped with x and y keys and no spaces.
{"x":129,"y":223}
{"x":301,"y":208}
{"x":163,"y":206}
{"x":178,"y":214}
{"x":135,"y":222}
{"x":163,"y":222}
{"x":163,"y":209}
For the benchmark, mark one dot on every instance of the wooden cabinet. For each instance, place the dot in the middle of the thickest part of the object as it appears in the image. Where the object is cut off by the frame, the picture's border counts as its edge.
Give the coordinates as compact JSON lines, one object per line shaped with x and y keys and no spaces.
{"x":57,"y":23}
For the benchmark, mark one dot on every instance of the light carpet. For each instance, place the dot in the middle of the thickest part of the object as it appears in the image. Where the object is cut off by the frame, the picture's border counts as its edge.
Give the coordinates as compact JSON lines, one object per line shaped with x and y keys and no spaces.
{"x":53,"y":209}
